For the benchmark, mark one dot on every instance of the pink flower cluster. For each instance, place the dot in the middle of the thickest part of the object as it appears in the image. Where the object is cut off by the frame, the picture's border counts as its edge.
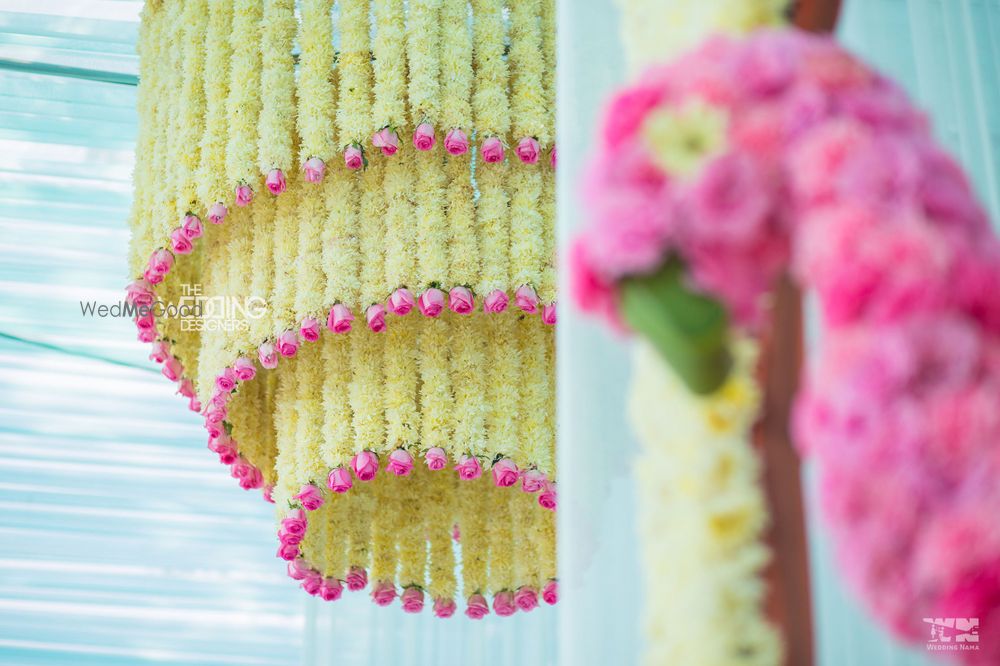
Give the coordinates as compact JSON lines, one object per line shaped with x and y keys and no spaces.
{"x":826,"y":169}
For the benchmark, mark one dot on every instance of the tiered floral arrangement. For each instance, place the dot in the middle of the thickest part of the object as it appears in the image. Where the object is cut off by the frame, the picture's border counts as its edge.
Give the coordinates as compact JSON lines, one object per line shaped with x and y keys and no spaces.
{"x":398,"y":192}
{"x":747,"y":157}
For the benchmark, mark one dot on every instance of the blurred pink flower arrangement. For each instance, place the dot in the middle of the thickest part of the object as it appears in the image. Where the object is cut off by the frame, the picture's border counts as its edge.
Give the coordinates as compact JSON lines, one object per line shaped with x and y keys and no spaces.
{"x":747,"y":158}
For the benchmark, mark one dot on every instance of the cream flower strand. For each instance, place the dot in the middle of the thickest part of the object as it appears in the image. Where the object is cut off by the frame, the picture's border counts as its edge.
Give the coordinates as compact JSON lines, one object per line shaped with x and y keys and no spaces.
{"x":212,"y":181}
{"x":316,"y":87}
{"x":275,"y":147}
{"x":244,"y":102}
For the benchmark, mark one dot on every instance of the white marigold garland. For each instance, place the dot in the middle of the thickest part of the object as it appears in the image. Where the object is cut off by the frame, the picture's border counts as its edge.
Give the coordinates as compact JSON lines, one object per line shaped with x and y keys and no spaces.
{"x":372,"y":237}
{"x":389,"y":108}
{"x":244,"y":102}
{"x":353,"y":112}
{"x":192,"y":102}
{"x":213,"y":186}
{"x":702,"y":517}
{"x":316,"y":85}
{"x":275,"y":147}
{"x":456,"y":66}
{"x":423,"y":33}
{"x":528,"y":96}
{"x":490,"y":104}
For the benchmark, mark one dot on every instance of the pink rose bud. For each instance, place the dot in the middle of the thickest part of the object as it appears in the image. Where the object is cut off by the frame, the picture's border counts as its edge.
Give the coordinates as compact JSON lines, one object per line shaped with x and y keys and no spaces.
{"x":310,"y":496}
{"x":496,"y":301}
{"x":145,"y":321}
{"x":387,"y":140}
{"x":526,"y":299}
{"x":288,"y":344}
{"x":288,"y":552}
{"x":180,"y":243}
{"x":244,"y":195}
{"x":312,"y":583}
{"x":172,"y":369}
{"x":340,"y":319}
{"x":436,"y":458}
{"x":252,"y":479}
{"x":431,"y":302}
{"x":400,"y":462}
{"x":295,"y":522}
{"x":526,"y":598}
{"x":309,"y":329}
{"x":503,"y":604}
{"x":275,"y":181}
{"x":160,"y":352}
{"x":289,"y":539}
{"x":357,"y":578}
{"x":476,"y":607}
{"x":240,"y":468}
{"x":226,"y":381}
{"x":365,"y":465}
{"x":353,"y":157}
{"x":216,"y":443}
{"x":140,"y":293}
{"x":339,"y":480}
{"x":492,"y":150}
{"x":331,"y":589}
{"x":423,"y":136}
{"x":215,"y":415}
{"x":505,"y":473}
{"x":468,"y":468}
{"x":549,"y":314}
{"x":217,"y":212}
{"x":413,"y":600}
{"x":547,"y":498}
{"x":161,"y":261}
{"x":147,"y":335}
{"x":191,"y":226}
{"x":461,"y":301}
{"x":444,"y":607}
{"x":186,"y":388}
{"x":152,"y":277}
{"x":298,"y":569}
{"x":268,"y":356}
{"x":315,"y":169}
{"x":527,"y":150}
{"x":268,"y":492}
{"x":552,"y":158}
{"x":532,"y":481}
{"x":401,"y":301}
{"x":456,"y":143}
{"x":244,"y":369}
{"x":227,"y":455}
{"x":550,"y":593}
{"x":194,"y":405}
{"x":383,"y":593}
{"x":456,"y":532}
{"x":375,"y":315}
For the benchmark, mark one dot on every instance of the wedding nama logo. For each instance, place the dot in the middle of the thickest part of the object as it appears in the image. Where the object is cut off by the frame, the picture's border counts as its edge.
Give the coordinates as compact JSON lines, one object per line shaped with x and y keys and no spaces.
{"x":953,"y":633}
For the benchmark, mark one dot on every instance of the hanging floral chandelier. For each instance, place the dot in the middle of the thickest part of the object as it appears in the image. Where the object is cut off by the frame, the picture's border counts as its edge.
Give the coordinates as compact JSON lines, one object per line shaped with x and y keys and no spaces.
{"x":385,"y":169}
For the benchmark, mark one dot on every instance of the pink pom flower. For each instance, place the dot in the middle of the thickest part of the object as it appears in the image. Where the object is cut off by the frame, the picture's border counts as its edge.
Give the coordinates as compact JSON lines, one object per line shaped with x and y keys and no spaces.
{"x":375,"y":315}
{"x":340,"y":319}
{"x":550,"y":593}
{"x":353,"y":157}
{"x":309,"y":329}
{"x":357,"y":578}
{"x":436,"y":458}
{"x":179,"y":242}
{"x":160,"y":351}
{"x":275,"y":181}
{"x":226,"y":382}
{"x":503,"y":604}
{"x":339,"y":480}
{"x":461,"y":301}
{"x":526,"y":299}
{"x":268,"y":356}
{"x":191,"y":226}
{"x":140,"y":293}
{"x":298,"y":569}
{"x":288,"y":344}
{"x":492,"y":150}
{"x":423,"y":136}
{"x":527,"y":150}
{"x":549,"y":314}
{"x":310,"y":496}
{"x":331,"y":589}
{"x":287,"y":551}
{"x":412,"y":599}
{"x":244,"y":195}
{"x":547,"y":498}
{"x":172,"y":369}
{"x":444,"y":608}
{"x":456,"y":143}
{"x":314,"y":169}
{"x":476,"y":607}
{"x":468,"y":468}
{"x":532,"y":481}
{"x":504,"y":473}
{"x":365,"y":465}
{"x":401,"y":301}
{"x":526,"y":598}
{"x":217,"y":212}
{"x":386,"y":139}
{"x":244,"y":369}
{"x":431,"y":302}
{"x":495,"y":302}
{"x":384,"y":593}
{"x":400,"y":462}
